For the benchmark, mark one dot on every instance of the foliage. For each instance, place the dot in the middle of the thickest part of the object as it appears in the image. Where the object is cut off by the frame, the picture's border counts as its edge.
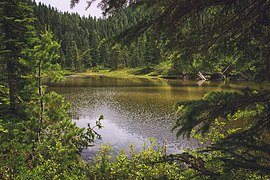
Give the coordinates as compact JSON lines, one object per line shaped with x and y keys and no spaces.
{"x":239,"y":129}
{"x":18,"y":33}
{"x":87,"y":42}
{"x":153,"y":163}
{"x":38,"y":138}
{"x":217,"y":35}
{"x":164,"y":68}
{"x":147,"y":164}
{"x":204,"y":34}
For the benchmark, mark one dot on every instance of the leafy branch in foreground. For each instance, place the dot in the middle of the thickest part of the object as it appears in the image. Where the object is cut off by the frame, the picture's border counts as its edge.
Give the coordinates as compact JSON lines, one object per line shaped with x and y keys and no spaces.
{"x":201,"y":113}
{"x":245,"y":141}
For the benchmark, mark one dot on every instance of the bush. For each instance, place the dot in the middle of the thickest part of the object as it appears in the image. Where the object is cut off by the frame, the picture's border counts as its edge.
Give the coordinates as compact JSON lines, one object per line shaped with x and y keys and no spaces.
{"x":149,"y":163}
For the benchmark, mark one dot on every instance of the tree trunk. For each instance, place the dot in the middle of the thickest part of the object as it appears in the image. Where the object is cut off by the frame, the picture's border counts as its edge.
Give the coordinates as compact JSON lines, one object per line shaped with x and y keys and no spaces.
{"x":41,"y":108}
{"x":12,"y":83}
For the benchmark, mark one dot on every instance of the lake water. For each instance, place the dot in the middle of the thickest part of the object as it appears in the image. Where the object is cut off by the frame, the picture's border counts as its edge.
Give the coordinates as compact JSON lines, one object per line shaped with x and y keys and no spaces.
{"x":134,"y":109}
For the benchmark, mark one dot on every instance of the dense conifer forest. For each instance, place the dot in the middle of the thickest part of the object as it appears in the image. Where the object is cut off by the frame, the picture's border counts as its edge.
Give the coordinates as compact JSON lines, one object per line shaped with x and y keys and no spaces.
{"x":86,"y":42}
{"x":39,"y":140}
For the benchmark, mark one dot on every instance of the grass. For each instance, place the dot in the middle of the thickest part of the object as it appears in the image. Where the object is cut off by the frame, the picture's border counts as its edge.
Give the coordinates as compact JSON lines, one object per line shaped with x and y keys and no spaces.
{"x":159,"y":71}
{"x":119,"y":73}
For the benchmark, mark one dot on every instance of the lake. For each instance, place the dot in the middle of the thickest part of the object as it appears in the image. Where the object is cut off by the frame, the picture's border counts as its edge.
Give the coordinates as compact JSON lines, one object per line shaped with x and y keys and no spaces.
{"x":134,"y":109}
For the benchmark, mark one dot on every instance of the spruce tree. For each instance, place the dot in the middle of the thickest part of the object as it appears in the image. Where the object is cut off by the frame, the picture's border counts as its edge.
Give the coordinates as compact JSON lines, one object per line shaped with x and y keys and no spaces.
{"x":18,"y":34}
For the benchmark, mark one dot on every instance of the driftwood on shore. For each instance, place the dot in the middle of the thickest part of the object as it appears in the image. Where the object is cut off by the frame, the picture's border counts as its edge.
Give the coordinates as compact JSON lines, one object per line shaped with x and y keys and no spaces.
{"x":201,"y":76}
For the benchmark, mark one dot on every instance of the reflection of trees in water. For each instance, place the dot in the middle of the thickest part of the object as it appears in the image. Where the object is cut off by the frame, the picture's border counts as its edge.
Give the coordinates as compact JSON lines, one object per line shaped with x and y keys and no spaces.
{"x":137,"y":106}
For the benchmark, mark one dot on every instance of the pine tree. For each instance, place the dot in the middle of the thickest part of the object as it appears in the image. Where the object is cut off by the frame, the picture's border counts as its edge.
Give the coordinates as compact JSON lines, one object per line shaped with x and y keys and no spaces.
{"x":18,"y":33}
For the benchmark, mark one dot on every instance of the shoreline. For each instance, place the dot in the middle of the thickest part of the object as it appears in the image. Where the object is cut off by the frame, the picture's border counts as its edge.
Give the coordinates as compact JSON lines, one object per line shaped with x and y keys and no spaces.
{"x":123,"y":73}
{"x":132,"y":73}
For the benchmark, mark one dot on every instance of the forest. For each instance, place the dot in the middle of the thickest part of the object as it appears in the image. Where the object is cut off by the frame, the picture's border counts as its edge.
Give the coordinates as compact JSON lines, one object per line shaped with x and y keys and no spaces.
{"x":85,"y":41}
{"x":175,"y":38}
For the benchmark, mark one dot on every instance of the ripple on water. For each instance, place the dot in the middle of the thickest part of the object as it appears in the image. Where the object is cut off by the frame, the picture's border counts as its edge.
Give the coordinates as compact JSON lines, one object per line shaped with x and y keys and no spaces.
{"x":134,"y":110}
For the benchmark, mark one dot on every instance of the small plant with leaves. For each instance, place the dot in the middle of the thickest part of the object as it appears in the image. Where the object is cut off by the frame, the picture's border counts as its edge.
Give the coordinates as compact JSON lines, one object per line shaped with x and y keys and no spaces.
{"x":149,"y":163}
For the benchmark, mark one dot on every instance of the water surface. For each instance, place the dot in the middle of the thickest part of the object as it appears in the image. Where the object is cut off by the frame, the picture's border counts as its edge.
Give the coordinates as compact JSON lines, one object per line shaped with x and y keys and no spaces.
{"x":134,"y":109}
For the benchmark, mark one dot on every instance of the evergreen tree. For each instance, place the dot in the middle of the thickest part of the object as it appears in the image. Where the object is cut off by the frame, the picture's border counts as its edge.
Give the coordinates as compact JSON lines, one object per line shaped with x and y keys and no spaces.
{"x":37,"y":137}
{"x":18,"y":33}
{"x":80,"y":34}
{"x":42,"y":141}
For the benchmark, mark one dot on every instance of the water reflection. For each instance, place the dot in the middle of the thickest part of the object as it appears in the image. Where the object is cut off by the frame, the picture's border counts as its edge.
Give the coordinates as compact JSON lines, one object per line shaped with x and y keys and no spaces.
{"x":134,"y":109}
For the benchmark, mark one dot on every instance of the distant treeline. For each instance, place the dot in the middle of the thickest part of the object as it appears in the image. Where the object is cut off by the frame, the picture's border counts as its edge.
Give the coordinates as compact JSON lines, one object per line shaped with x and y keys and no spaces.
{"x":88,"y":42}
{"x":85,"y":41}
